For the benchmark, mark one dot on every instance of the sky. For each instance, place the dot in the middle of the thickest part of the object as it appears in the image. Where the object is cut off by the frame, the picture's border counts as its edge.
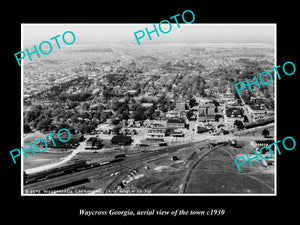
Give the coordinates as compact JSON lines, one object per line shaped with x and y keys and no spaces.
{"x":33,"y":34}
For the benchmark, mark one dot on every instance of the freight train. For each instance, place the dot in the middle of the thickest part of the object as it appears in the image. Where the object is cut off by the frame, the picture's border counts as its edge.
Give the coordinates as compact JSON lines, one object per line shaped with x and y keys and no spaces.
{"x":63,"y":170}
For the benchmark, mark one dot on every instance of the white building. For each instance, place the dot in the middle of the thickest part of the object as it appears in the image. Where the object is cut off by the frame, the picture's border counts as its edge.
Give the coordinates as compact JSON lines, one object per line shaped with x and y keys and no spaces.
{"x":156,"y":134}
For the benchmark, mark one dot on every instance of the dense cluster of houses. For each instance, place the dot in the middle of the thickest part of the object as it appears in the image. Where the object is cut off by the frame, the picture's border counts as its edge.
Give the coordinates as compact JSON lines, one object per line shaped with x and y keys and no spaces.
{"x":215,"y":116}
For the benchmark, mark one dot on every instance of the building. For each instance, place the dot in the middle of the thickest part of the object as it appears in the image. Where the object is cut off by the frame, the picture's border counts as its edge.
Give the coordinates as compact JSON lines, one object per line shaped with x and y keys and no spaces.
{"x":130,"y":122}
{"x":206,"y":113}
{"x":173,"y":114}
{"x":180,"y":106}
{"x":258,"y":111}
{"x":93,"y":143}
{"x":147,"y":105}
{"x":263,"y":143}
{"x":233,"y":114}
{"x":73,"y":142}
{"x":121,"y":140}
{"x":155,"y":134}
{"x":228,"y":96}
{"x":175,"y":123}
{"x":230,"y":119}
{"x":177,"y":133}
{"x":132,"y":92}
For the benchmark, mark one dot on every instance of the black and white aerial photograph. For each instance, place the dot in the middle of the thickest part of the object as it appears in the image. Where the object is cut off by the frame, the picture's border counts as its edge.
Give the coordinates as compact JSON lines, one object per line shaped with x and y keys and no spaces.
{"x":160,"y":118}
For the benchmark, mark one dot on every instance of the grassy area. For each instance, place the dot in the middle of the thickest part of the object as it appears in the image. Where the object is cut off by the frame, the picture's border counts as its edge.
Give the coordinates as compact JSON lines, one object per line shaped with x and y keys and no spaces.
{"x":42,"y":158}
{"x":257,"y":132}
{"x":217,"y":173}
{"x":225,"y":182}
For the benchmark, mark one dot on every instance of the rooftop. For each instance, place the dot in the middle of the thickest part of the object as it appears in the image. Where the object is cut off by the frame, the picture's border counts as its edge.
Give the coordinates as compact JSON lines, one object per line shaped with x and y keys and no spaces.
{"x":175,"y":120}
{"x":234,"y":112}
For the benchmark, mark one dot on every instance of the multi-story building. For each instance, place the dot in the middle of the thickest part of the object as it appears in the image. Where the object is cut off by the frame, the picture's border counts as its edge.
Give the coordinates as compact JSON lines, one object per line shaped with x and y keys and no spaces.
{"x":156,"y":134}
{"x":93,"y":143}
{"x":175,"y":123}
{"x":180,"y":106}
{"x":206,"y":113}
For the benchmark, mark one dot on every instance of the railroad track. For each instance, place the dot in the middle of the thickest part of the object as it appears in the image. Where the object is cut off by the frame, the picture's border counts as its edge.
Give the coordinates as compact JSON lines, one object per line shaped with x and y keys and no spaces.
{"x":107,"y":169}
{"x":111,"y":187}
{"x":187,"y":176}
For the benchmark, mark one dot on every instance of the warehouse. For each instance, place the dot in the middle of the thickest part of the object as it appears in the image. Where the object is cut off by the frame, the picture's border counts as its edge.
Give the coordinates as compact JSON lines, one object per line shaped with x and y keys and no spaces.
{"x":121,"y":140}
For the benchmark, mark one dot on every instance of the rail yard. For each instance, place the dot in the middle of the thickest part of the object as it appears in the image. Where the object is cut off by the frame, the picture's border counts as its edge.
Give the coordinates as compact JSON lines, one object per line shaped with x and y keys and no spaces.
{"x":171,"y":169}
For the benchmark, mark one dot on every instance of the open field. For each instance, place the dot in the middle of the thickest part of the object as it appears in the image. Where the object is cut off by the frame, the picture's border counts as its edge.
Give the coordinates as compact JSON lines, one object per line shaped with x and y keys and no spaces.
{"x":217,"y":173}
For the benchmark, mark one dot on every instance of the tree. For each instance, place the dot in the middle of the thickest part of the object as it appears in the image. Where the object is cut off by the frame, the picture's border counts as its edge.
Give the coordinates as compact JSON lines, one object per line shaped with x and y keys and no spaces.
{"x":189,"y":114}
{"x":117,"y":129}
{"x":44,"y":124}
{"x":63,"y":125}
{"x":239,"y":124}
{"x":85,"y":106}
{"x":265,"y":133}
{"x":89,"y":128}
{"x":72,"y":105}
{"x":192,"y":102}
{"x":74,"y":119}
{"x":27,"y":128}
{"x":150,"y":111}
{"x":72,"y":130}
{"x":114,"y":104}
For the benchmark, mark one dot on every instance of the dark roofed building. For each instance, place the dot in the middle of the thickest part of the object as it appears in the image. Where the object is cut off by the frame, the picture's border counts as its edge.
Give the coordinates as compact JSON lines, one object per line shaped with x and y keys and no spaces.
{"x":74,"y":140}
{"x":175,"y":123}
{"x":121,"y":140}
